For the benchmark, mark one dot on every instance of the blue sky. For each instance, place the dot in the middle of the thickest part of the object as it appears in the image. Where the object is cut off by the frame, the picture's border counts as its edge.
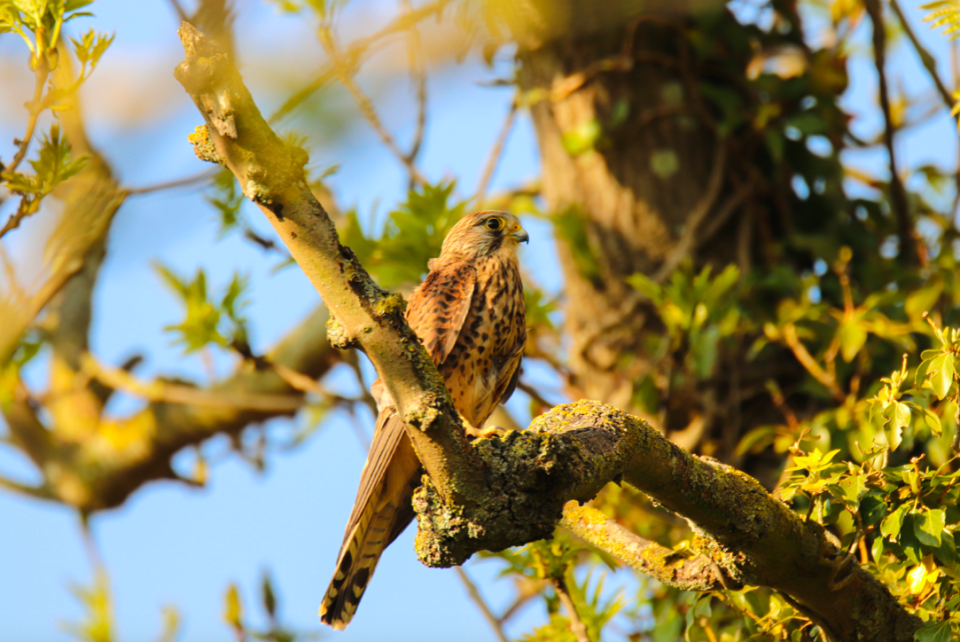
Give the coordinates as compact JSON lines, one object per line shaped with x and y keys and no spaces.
{"x":175,"y":546}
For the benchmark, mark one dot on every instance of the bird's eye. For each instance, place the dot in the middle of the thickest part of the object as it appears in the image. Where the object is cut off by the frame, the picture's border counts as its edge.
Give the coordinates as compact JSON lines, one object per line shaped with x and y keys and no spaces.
{"x":494,"y":224}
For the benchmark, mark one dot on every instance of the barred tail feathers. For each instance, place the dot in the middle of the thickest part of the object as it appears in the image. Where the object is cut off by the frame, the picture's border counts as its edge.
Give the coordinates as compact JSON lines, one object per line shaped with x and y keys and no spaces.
{"x":358,"y":560}
{"x":381,"y":512}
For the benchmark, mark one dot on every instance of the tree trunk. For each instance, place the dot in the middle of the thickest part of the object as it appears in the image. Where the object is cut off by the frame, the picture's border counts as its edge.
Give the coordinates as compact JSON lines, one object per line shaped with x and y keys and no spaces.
{"x":638,"y":177}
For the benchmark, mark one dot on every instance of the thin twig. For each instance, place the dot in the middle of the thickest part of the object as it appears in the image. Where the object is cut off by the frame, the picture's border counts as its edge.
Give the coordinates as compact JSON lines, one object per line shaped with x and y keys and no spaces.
{"x":534,"y":394}
{"x":370,"y":113}
{"x":354,"y":54}
{"x":418,"y":72}
{"x":925,"y":58}
{"x":23,"y":211}
{"x":806,"y":359}
{"x":180,"y":182}
{"x":495,"y":153}
{"x":181,"y":14}
{"x":909,"y":243}
{"x":687,"y":241}
{"x":181,"y":394}
{"x":577,"y":627}
{"x":90,"y":545}
{"x":36,"y":492}
{"x":474,"y":594}
{"x":345,"y":76}
{"x":35,"y":106}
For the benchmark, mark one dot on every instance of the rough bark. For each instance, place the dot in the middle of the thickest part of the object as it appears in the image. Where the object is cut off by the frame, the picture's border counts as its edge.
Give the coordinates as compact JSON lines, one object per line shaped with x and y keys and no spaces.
{"x":511,"y":490}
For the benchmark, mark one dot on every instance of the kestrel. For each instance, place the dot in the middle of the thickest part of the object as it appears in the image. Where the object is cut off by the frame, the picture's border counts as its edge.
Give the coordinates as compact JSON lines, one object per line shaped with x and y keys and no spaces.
{"x":470,"y":315}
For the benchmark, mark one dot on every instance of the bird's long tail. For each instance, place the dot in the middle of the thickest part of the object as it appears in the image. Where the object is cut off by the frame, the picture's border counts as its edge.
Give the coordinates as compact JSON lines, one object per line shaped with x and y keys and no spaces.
{"x":382,"y":511}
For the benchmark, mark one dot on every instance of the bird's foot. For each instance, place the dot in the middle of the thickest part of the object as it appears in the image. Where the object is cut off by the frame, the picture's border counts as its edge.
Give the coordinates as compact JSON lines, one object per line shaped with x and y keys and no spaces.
{"x":484,"y":433}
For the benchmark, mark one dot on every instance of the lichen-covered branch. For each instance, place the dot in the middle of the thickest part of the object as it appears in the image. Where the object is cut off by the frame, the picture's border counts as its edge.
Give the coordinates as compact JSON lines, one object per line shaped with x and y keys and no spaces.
{"x":744,"y":535}
{"x":511,"y":490}
{"x":673,"y":568}
{"x":271,"y":174}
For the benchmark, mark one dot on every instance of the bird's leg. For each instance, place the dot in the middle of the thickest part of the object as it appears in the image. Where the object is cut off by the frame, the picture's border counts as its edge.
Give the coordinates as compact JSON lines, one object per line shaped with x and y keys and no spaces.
{"x":481,"y":433}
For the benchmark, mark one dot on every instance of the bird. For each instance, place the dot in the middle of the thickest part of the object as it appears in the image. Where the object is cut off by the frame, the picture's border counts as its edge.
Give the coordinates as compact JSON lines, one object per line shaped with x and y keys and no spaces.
{"x":470,"y":316}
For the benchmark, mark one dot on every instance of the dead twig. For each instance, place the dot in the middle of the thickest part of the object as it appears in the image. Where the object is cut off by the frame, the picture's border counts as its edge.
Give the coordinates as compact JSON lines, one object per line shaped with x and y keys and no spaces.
{"x":35,"y":106}
{"x":687,"y":242}
{"x":925,"y":58}
{"x":910,"y":245}
{"x":163,"y":391}
{"x":356,"y":52}
{"x":477,"y":599}
{"x":577,"y":627}
{"x":418,"y":73}
{"x":180,"y":182}
{"x":345,"y":74}
{"x":495,"y":153}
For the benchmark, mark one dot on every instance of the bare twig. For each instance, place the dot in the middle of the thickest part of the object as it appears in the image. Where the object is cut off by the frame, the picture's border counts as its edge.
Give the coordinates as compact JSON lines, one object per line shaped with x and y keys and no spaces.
{"x":35,"y":106}
{"x":23,"y":211}
{"x":474,"y":594}
{"x":688,"y":239}
{"x":418,"y":72}
{"x":534,"y":394}
{"x":180,"y":182}
{"x":577,"y":627}
{"x":495,"y":153}
{"x":354,"y":54}
{"x":925,"y":58}
{"x":910,"y":244}
{"x":806,"y":359}
{"x":344,"y":73}
{"x":36,"y":492}
{"x":181,"y":14}
{"x":162,"y":391}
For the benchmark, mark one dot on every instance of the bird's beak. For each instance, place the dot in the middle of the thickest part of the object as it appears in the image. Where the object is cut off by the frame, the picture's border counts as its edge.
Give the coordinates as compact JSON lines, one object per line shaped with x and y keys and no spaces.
{"x":520,"y":234}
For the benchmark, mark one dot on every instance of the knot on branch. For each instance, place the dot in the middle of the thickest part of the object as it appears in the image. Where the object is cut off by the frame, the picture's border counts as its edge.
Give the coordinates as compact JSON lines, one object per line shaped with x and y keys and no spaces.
{"x":569,"y":453}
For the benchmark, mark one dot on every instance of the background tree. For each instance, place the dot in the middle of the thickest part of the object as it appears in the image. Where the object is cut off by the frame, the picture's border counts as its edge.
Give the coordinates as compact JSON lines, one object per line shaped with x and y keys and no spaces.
{"x":729,"y":273}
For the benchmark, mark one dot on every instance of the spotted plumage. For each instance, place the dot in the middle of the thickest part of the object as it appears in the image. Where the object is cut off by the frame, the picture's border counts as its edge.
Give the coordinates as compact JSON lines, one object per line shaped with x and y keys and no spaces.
{"x":469,"y":314}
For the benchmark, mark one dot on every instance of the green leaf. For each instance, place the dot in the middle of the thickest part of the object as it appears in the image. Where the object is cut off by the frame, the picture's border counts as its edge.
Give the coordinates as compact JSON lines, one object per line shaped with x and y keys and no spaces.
{"x":891,"y":524}
{"x":928,"y":527}
{"x":934,"y":632}
{"x":897,"y":416}
{"x":852,"y":337}
{"x":941,"y":371}
{"x":853,"y":488}
{"x":642,"y":284}
{"x":872,"y":509}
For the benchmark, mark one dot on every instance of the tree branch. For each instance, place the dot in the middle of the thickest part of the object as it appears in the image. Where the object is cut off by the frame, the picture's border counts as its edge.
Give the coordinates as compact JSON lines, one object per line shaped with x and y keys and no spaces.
{"x":271,"y":174}
{"x":669,"y":567}
{"x":569,"y":453}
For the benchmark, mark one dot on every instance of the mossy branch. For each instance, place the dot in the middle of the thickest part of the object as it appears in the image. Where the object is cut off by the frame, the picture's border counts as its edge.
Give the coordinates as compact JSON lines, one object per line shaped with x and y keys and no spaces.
{"x":508,"y":491}
{"x":271,"y":174}
{"x":744,"y":535}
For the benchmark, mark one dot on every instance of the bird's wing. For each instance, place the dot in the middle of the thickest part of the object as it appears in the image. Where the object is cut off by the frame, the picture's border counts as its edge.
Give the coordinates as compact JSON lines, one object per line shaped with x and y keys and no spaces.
{"x":382,"y":508}
{"x":439,"y":307}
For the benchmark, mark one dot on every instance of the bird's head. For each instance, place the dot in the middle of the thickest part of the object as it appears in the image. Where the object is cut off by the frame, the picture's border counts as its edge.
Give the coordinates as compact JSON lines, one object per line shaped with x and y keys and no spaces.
{"x":483,"y":234}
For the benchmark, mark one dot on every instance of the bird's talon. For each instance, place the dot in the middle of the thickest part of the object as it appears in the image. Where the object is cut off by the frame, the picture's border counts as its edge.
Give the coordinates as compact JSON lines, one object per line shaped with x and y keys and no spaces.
{"x":485,"y":433}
